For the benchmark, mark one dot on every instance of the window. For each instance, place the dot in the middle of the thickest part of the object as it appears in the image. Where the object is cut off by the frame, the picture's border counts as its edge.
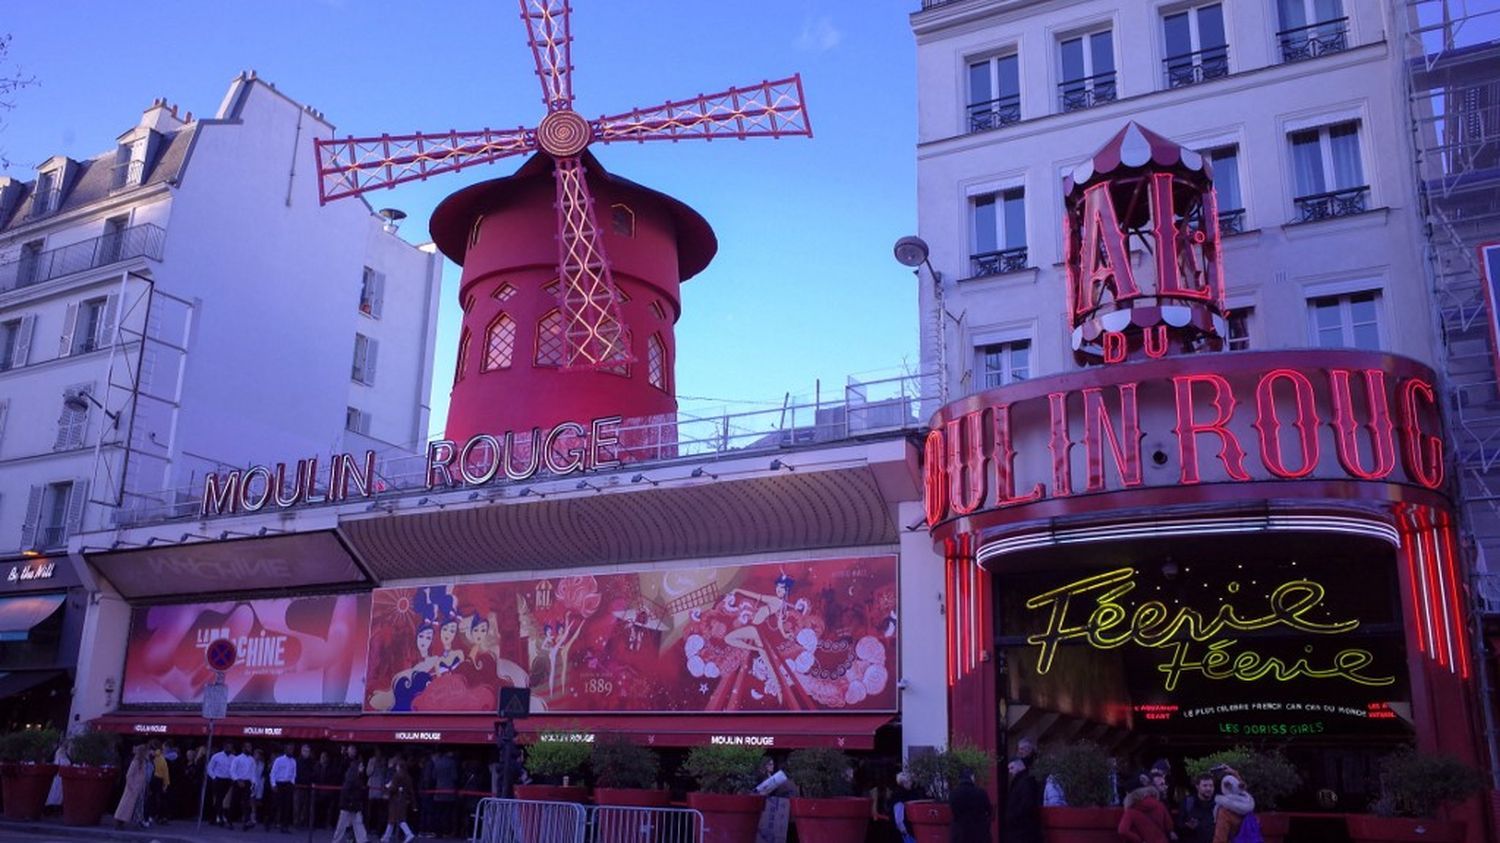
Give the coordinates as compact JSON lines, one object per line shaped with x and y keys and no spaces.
{"x":1226,"y":166}
{"x":549,"y":339}
{"x":88,"y":326}
{"x":999,"y":231}
{"x":112,"y":241}
{"x":463,"y":356}
{"x":1195,"y":45}
{"x":1088,"y":70}
{"x":503,"y":293}
{"x":371,"y":292}
{"x":656,"y":362}
{"x":15,"y":342}
{"x":1311,"y":28}
{"x":130,"y":164}
{"x":1350,"y":321}
{"x":356,"y":421}
{"x":45,"y":200}
{"x":74,"y":419}
{"x":657,"y":311}
{"x":994,"y":92}
{"x":1327,"y":173}
{"x":53,"y":512}
{"x":1004,"y":363}
{"x":365,"y":349}
{"x":499,"y":344}
{"x":1239,"y":329}
{"x":29,"y":266}
{"x":622,"y":220}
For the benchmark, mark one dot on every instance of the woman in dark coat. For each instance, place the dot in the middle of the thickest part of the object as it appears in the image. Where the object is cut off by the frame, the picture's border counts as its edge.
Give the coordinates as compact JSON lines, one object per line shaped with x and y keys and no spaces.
{"x":972,"y":811}
{"x":1023,"y":806}
{"x":399,"y":787}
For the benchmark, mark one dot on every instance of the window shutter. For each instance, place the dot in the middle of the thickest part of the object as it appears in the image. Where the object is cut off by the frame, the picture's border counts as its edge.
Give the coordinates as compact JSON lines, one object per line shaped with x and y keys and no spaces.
{"x":71,"y":424}
{"x":106,"y":336}
{"x":78,"y":497}
{"x":70,"y":322}
{"x":23,"y":340}
{"x":361,"y":348}
{"x":4,"y":411}
{"x":371,"y":347}
{"x":377,"y":292}
{"x":33,"y":517}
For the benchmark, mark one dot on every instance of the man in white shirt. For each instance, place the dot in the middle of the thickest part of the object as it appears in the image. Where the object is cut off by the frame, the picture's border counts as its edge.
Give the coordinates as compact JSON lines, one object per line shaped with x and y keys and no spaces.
{"x":283,"y":780}
{"x":218,"y":782}
{"x":242,"y":771}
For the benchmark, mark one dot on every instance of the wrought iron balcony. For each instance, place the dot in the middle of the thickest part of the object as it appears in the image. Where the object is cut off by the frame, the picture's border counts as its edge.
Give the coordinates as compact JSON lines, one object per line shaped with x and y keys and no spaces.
{"x":1192,"y":68}
{"x":993,"y":114}
{"x":1313,"y":40}
{"x":998,"y":263}
{"x":1232,"y":221}
{"x":1078,"y":94}
{"x":127,"y":174}
{"x":1334,"y":203}
{"x":34,"y":268}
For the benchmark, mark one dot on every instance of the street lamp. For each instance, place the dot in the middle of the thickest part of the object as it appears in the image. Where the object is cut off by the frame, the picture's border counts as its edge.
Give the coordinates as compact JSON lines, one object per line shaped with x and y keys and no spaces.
{"x":912,"y":251}
{"x":79,"y":402}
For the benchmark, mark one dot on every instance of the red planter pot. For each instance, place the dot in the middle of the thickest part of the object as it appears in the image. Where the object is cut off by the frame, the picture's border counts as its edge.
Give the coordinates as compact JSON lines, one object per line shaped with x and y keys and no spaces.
{"x":1366,"y":828}
{"x":728,"y":817}
{"x":632,"y":797}
{"x":1274,"y":826}
{"x":86,"y":791}
{"x":1081,"y":825}
{"x":551,"y":792}
{"x":929,"y":822}
{"x":839,"y":820}
{"x":24,"y":787}
{"x":627,"y":826}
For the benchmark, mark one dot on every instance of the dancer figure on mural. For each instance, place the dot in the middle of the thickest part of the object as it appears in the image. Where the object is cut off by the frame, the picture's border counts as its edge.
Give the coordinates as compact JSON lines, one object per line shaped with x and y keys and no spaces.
{"x":748,"y":636}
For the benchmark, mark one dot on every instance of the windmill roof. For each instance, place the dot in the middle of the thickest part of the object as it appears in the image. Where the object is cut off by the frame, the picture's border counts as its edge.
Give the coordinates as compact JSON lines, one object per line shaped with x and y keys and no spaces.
{"x":1132,"y":148}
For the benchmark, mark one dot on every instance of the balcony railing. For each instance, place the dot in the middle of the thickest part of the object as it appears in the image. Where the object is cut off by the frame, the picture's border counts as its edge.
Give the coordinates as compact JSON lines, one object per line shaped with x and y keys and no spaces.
{"x":993,"y":114}
{"x":1335,"y":203}
{"x":34,"y":268}
{"x":1078,"y":94}
{"x":1309,"y":42}
{"x":127,"y":174}
{"x":1192,"y":68}
{"x":998,"y":263}
{"x":1232,"y":221}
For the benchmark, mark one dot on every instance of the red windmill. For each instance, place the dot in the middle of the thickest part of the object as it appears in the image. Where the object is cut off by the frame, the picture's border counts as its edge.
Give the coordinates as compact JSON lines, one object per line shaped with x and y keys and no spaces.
{"x":595,"y":337}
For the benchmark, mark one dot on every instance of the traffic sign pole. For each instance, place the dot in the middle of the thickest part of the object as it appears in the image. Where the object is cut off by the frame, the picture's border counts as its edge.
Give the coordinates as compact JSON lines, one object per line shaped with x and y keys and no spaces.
{"x":220,"y":654}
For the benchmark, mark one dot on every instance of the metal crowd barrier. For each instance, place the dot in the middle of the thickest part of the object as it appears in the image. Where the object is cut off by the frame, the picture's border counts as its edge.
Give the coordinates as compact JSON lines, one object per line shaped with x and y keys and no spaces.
{"x":527,"y":821}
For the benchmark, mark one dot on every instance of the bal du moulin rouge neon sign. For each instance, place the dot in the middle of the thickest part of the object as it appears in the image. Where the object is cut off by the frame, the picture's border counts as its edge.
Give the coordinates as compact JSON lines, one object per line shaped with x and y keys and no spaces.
{"x":1093,"y":610}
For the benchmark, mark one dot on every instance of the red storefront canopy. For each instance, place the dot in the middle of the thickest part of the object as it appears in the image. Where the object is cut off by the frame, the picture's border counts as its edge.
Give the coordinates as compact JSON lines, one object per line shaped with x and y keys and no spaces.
{"x":783,"y":731}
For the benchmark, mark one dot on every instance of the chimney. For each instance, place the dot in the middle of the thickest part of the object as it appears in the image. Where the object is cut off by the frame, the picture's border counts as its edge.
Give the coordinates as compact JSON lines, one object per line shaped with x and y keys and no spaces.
{"x":161,"y":117}
{"x":10,"y":196}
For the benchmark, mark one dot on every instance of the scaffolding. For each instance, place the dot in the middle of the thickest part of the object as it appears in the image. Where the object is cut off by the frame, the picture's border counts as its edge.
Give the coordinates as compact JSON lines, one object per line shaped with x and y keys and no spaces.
{"x":1451,"y":52}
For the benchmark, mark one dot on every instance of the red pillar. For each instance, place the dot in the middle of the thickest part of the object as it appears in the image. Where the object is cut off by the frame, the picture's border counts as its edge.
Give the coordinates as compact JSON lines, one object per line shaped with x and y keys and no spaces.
{"x":973,"y":711}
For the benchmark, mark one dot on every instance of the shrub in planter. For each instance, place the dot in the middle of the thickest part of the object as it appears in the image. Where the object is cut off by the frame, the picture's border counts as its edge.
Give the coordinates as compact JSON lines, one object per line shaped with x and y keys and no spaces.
{"x":1414,"y":787}
{"x":553,"y":763}
{"x":88,"y":783}
{"x":26,"y":771}
{"x":1082,"y":771}
{"x":824,"y":810}
{"x":1267,"y":774}
{"x":622,"y":770}
{"x":726,"y":798}
{"x":936,"y":774}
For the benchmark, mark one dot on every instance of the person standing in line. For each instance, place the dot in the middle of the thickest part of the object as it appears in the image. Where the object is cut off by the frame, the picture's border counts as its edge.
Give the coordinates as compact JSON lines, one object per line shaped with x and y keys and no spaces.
{"x":302,"y":800}
{"x":283,"y":785}
{"x":128,"y":812}
{"x":352,"y":795}
{"x":1026,"y":751}
{"x":426,"y":810}
{"x":158,"y":786}
{"x":971,"y":808}
{"x":258,"y":811}
{"x":375,"y":773}
{"x":218,"y":782}
{"x":1197,"y":816}
{"x":399,"y":785}
{"x":445,"y":783}
{"x":1023,"y":805}
{"x":325,"y":776}
{"x":241,"y":774}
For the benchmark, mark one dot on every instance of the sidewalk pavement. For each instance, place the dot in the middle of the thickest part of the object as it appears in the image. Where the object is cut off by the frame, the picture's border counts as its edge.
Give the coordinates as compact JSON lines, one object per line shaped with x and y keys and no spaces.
{"x":51,"y":828}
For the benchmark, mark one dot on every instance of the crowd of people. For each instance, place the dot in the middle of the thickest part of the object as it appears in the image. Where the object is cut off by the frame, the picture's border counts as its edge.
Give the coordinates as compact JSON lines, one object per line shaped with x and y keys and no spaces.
{"x":286,"y":787}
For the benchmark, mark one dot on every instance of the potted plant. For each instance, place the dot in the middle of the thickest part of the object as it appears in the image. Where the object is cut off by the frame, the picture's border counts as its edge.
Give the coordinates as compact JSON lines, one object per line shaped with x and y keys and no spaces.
{"x":1269,"y":777}
{"x":626,"y":773}
{"x":1414,"y":787}
{"x":89,"y":780}
{"x":824,"y":810}
{"x":936,"y":773}
{"x":726,"y":796}
{"x":26,"y":771}
{"x":1082,"y":771}
{"x":553,"y":763}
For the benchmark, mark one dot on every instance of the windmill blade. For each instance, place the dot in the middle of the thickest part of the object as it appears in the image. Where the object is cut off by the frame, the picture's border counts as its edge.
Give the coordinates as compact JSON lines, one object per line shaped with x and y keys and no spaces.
{"x":550,"y":34}
{"x":350,"y":166}
{"x":593,"y":327}
{"x":770,"y":109}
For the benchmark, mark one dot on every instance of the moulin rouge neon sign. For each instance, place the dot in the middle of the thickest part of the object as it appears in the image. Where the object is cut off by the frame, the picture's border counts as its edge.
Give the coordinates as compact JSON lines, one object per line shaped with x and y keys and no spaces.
{"x":1094,"y":610}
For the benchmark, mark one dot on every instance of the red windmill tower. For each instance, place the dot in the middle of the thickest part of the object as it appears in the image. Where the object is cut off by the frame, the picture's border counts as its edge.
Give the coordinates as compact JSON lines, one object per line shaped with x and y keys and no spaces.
{"x":564,"y":318}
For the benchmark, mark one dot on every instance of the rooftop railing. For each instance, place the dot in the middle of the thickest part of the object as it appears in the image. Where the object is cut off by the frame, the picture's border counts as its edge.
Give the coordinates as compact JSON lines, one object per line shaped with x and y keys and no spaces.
{"x":37,"y":267}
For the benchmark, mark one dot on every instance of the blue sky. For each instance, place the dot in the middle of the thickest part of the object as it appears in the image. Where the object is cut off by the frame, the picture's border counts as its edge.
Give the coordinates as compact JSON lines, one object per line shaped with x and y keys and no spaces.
{"x":804,"y":287}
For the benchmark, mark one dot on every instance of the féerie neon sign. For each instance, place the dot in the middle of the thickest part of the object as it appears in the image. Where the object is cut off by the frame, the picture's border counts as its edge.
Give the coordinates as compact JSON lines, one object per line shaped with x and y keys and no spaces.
{"x":1195,"y":643}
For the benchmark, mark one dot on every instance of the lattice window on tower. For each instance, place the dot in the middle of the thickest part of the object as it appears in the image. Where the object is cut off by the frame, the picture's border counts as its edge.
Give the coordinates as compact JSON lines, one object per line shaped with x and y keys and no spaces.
{"x":656,"y":362}
{"x":504,"y":292}
{"x":656,"y":308}
{"x":622,"y":220}
{"x":463,"y":356}
{"x":499,"y":344}
{"x":468,"y":303}
{"x":549,"y":339}
{"x":622,"y":369}
{"x":553,"y":289}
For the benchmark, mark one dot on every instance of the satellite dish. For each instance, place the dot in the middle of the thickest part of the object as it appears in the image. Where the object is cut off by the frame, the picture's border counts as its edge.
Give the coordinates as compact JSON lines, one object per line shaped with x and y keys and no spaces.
{"x":911,"y":251}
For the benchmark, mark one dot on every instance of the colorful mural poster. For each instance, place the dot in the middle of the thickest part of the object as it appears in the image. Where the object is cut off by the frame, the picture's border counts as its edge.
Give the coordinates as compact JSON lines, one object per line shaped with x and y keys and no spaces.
{"x":292,"y":650}
{"x":809,"y":635}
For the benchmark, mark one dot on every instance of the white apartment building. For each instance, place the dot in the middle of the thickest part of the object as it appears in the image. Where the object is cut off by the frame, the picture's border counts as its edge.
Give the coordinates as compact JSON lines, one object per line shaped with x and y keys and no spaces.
{"x":182,"y":303}
{"x":1299,"y":104}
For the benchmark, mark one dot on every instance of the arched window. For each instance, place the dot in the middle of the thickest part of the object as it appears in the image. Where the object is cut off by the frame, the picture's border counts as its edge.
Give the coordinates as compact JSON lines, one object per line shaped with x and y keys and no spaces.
{"x":463,"y":356}
{"x":549,"y":339}
{"x":504,"y":292}
{"x":499,"y":344}
{"x":623,"y":369}
{"x":656,"y":362}
{"x":622,"y":220}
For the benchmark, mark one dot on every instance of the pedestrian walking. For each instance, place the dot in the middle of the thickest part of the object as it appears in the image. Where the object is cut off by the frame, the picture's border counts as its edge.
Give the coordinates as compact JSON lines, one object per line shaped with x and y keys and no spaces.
{"x":1023,"y":806}
{"x":375,"y":773}
{"x":399,"y":787}
{"x":352,"y":796}
{"x":128,"y":812}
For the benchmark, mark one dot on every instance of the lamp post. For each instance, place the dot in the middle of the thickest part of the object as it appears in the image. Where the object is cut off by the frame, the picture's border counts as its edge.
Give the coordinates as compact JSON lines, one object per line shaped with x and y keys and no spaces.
{"x":79,"y":402}
{"x":912,"y":251}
